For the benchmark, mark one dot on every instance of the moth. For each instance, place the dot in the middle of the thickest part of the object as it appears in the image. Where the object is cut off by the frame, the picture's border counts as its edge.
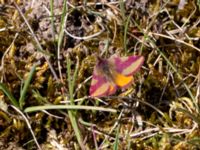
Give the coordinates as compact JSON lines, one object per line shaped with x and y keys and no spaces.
{"x":113,"y":73}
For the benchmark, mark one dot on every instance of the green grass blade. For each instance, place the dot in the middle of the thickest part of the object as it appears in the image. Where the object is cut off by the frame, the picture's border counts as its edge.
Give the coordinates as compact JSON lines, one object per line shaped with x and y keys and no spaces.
{"x":69,"y":107}
{"x":194,"y":141}
{"x":25,"y":87}
{"x":125,"y":32}
{"x":61,"y":35}
{"x":198,"y":4}
{"x":70,"y":112}
{"x":125,"y":23}
{"x":69,"y":78}
{"x":116,"y":139}
{"x":75,"y":77}
{"x":52,"y":18}
{"x":9,"y":95}
{"x":122,"y":8}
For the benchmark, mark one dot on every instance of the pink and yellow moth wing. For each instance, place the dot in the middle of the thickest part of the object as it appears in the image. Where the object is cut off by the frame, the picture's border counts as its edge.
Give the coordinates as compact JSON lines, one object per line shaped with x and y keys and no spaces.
{"x":100,"y":86}
{"x":127,"y":66}
{"x":122,"y":81}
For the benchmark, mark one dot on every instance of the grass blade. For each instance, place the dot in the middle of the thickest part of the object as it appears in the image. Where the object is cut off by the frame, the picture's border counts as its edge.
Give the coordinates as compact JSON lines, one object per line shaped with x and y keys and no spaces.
{"x":125,"y":32}
{"x":70,"y":112}
{"x":116,"y":139}
{"x":69,"y":107}
{"x":9,"y":95}
{"x":25,"y":87}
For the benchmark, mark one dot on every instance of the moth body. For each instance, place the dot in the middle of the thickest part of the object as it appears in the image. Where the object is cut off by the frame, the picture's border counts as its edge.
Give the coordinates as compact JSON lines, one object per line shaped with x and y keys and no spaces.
{"x":105,"y":69}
